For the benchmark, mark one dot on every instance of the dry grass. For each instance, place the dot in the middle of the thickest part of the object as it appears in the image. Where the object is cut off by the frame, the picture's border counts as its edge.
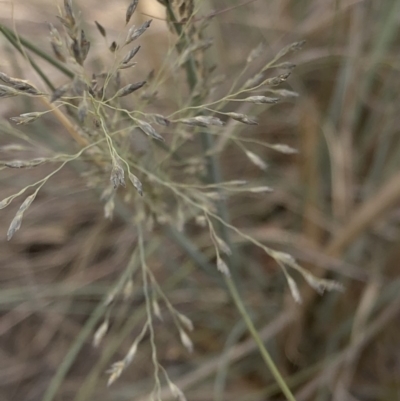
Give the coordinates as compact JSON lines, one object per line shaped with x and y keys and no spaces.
{"x":333,"y":208}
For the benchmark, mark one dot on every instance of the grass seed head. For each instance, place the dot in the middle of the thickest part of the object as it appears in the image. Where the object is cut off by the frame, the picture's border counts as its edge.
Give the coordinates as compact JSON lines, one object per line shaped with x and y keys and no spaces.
{"x":101,"y":29}
{"x":117,"y":174}
{"x":261,"y":100}
{"x":256,"y":160}
{"x":130,"y":55}
{"x":130,"y":88}
{"x":133,"y":33}
{"x":149,"y":130}
{"x":243,"y":118}
{"x":130,"y":10}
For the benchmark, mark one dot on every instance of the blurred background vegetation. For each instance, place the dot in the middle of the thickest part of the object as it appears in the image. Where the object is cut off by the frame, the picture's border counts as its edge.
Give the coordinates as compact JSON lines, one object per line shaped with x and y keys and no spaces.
{"x":334,"y":208}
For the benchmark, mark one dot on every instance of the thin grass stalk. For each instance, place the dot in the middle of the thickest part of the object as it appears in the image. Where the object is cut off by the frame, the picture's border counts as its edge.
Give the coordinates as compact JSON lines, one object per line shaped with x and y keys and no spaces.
{"x":253,"y":331}
{"x":12,"y":39}
{"x":73,"y":351}
{"x":238,"y":352}
{"x":86,"y":332}
{"x":36,"y":50}
{"x":86,"y":388}
{"x":221,"y":375}
{"x":388,"y":32}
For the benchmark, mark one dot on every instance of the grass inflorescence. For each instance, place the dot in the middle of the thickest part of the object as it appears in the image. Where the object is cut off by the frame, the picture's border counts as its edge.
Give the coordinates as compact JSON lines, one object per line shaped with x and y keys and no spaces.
{"x":140,"y":158}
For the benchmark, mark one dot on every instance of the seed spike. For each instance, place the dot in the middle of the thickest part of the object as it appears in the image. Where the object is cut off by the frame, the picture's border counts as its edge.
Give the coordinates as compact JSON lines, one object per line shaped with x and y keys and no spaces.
{"x":113,"y":46}
{"x":101,"y":29}
{"x":130,"y":10}
{"x":149,"y":130}
{"x":130,"y":55}
{"x":135,"y":33}
{"x":128,"y":89}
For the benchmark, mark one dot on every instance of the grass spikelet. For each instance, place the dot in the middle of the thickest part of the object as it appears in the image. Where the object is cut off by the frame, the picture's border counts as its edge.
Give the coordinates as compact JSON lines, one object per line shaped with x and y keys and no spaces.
{"x":109,"y":209}
{"x":255,"y":53}
{"x":202,"y":121}
{"x":184,"y":320}
{"x":117,"y":174}
{"x":222,"y":245}
{"x":55,"y":35}
{"x":133,"y":349}
{"x":69,"y":15}
{"x":136,"y":183}
{"x":283,"y":148}
{"x":261,"y":100}
{"x":58,"y":52}
{"x":17,"y":220}
{"x":118,"y":367}
{"x":186,"y":341}
{"x":113,"y":47}
{"x":130,"y":55}
{"x":133,"y":33}
{"x":27,"y":202}
{"x":84,"y":46}
{"x":57,"y":44}
{"x":130,"y":88}
{"x":256,"y":160}
{"x":26,"y":118}
{"x":222,"y":267}
{"x":290,"y":48}
{"x":23,"y":163}
{"x":149,"y":130}
{"x":6,"y":91}
{"x":243,"y":118}
{"x":156,"y":308}
{"x":294,"y":289}
{"x":161,"y":120}
{"x":286,"y":66}
{"x":20,"y":85}
{"x":319,"y":284}
{"x":258,"y":190}
{"x":254,"y":81}
{"x":125,"y":66}
{"x":60,"y":92}
{"x":5,"y":202}
{"x":274,"y":81}
{"x":101,"y":29}
{"x":127,"y":291}
{"x":115,"y":372}
{"x":130,"y":10}
{"x":176,"y":391}
{"x":100,"y":333}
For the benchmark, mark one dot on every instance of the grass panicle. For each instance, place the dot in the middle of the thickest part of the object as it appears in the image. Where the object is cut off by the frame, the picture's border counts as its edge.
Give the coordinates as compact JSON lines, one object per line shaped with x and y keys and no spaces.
{"x":166,"y":184}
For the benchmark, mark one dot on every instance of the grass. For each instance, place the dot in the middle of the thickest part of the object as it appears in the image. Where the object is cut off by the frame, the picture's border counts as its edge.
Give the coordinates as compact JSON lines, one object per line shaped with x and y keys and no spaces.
{"x":146,"y":183}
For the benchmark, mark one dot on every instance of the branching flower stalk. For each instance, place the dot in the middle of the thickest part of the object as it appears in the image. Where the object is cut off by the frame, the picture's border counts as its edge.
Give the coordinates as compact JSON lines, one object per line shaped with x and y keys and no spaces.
{"x":98,"y":118}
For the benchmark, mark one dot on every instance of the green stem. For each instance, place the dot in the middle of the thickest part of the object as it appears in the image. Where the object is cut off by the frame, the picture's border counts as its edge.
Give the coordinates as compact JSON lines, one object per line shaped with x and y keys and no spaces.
{"x":36,"y":50}
{"x":12,"y":39}
{"x":253,"y":331}
{"x":199,"y":259}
